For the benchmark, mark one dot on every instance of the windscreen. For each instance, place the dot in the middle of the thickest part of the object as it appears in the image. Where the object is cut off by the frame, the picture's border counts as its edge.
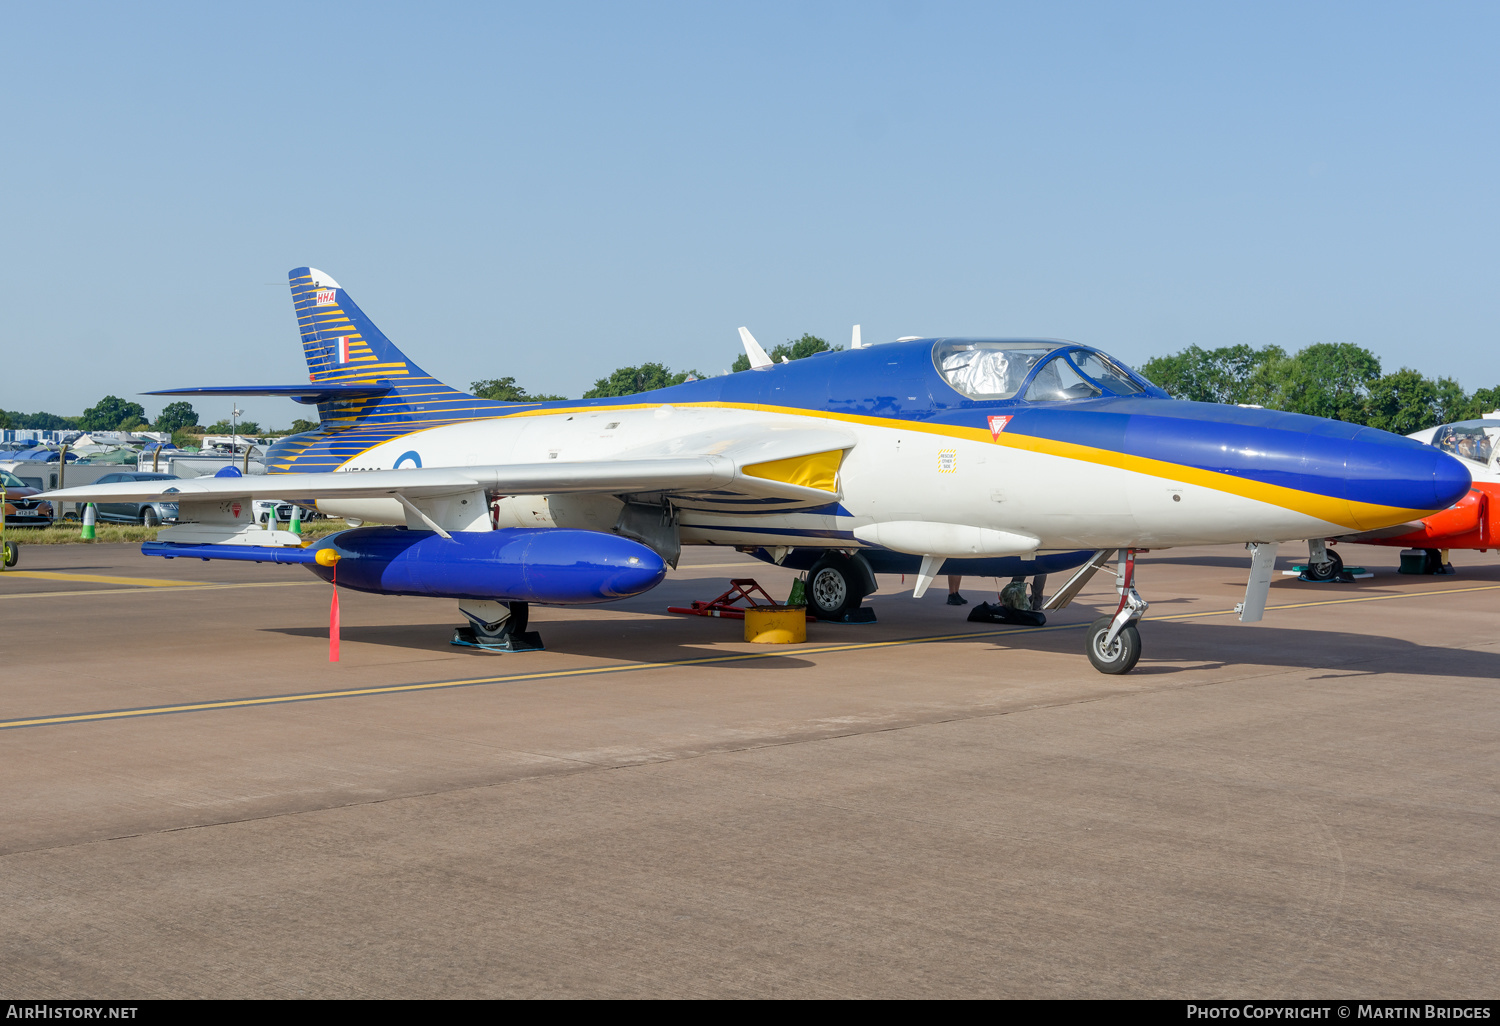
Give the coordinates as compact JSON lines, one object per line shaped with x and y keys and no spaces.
{"x":1473,"y":440}
{"x":1105,"y":371}
{"x":1058,"y":381}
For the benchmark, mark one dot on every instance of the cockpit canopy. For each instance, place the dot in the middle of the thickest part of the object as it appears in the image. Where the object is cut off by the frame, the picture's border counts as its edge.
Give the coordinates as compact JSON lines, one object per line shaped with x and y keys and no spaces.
{"x":1473,"y":440}
{"x":1057,"y":371}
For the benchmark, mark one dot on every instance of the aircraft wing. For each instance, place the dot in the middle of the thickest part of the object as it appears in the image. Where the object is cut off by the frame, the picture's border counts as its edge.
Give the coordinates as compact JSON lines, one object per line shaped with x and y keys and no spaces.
{"x":1397,"y":531}
{"x":800,"y":466}
{"x":431,"y":482}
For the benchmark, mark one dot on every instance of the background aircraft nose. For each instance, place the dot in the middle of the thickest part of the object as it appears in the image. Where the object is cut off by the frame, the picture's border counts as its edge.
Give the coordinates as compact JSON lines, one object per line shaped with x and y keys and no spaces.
{"x":1387,"y":476}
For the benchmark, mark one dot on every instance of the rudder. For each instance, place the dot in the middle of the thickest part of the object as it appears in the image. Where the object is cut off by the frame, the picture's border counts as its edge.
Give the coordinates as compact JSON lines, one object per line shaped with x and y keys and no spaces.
{"x":343,"y":346}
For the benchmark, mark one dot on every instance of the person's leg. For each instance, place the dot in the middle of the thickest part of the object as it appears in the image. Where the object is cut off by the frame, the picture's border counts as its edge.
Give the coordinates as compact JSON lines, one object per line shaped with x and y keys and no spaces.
{"x":954,"y":598}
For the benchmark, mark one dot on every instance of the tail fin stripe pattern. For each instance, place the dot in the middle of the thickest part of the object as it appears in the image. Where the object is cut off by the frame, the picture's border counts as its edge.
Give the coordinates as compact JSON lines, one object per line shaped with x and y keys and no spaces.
{"x":342,"y":345}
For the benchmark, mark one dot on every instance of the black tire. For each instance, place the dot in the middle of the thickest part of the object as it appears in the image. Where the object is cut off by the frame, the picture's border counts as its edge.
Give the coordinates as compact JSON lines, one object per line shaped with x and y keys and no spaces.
{"x":1120,"y":657}
{"x":834,"y":587}
{"x":520,"y":615}
{"x":11,"y":554}
{"x":1434,"y":561}
{"x":150,"y":518}
{"x":1326,"y":571}
{"x":72,"y":517}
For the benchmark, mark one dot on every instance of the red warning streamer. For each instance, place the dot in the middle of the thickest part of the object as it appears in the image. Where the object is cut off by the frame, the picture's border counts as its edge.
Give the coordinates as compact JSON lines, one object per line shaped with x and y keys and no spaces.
{"x":333,"y":619}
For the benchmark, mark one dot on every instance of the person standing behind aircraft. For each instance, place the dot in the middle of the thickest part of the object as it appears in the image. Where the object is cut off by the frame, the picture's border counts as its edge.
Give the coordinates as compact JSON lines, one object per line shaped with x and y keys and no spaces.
{"x":954,"y":598}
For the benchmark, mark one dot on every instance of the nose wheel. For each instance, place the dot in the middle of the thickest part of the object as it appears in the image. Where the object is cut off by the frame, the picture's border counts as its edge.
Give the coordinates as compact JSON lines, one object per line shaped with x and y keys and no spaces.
{"x":1117,"y":655}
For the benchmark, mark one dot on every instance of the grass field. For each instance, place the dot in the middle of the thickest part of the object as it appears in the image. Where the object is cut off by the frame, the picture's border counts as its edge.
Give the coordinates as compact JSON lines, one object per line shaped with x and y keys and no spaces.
{"x":69,"y":535}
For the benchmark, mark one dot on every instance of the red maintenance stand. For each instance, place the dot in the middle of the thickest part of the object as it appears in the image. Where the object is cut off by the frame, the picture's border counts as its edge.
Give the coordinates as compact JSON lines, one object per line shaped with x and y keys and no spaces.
{"x":724,"y":605}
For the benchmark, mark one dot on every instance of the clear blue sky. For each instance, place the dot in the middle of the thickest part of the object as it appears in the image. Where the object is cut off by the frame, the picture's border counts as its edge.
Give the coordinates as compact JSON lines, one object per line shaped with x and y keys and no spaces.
{"x":551,"y":191}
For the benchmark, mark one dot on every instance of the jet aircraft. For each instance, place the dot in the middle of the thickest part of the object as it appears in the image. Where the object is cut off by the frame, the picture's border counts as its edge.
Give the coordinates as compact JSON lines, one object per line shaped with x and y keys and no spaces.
{"x":1473,"y":522}
{"x":974,"y":456}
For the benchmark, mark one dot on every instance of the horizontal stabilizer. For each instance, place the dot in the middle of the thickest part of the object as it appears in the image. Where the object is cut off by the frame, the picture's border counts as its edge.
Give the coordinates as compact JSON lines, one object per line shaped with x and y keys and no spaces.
{"x":309,"y":394}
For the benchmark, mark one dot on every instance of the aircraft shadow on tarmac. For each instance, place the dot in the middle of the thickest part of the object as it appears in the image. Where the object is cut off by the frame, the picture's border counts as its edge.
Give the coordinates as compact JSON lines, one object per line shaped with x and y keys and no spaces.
{"x":1170,"y":647}
{"x":562,"y":637}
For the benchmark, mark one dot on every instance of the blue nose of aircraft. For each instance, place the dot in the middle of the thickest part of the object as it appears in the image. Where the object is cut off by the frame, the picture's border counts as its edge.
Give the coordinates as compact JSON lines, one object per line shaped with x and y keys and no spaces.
{"x":1344,"y":474}
{"x":1384,"y":472}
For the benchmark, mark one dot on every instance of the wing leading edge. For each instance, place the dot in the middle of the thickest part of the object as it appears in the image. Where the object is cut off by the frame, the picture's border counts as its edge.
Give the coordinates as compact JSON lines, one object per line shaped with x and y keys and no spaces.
{"x":808,"y":477}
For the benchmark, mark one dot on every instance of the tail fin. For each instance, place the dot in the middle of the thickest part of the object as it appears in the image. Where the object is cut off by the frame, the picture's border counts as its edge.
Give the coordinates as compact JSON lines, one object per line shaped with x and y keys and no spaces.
{"x":344,"y":347}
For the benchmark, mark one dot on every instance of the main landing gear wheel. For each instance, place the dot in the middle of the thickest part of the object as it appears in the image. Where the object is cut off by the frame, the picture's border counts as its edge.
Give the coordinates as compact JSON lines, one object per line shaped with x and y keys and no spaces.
{"x":1328,"y":571}
{"x":497,"y":627}
{"x":834,"y":587}
{"x":12,"y":553}
{"x":1120,"y":655}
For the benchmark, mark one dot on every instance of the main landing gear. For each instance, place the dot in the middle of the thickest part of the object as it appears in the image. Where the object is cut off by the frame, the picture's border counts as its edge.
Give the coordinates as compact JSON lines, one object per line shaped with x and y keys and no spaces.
{"x":1323,"y":564}
{"x":836,"y":585}
{"x":496,"y":627}
{"x":1113,"y":644}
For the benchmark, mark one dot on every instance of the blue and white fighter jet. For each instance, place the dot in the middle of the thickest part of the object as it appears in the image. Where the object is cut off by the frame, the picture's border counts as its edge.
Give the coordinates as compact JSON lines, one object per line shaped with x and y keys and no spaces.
{"x":983,"y":457}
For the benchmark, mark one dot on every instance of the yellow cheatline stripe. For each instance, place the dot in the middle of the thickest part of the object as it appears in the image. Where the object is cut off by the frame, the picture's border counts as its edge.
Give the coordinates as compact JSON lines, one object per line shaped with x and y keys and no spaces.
{"x":1358,"y":515}
{"x":153,"y":591}
{"x":594,"y":671}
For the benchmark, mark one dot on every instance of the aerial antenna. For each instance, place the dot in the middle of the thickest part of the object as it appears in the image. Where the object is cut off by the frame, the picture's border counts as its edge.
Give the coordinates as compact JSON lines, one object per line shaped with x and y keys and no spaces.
{"x":753,"y":350}
{"x":854,"y":342}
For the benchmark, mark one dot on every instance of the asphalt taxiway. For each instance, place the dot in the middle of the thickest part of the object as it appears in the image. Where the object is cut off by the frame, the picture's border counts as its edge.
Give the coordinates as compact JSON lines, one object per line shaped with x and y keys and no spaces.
{"x":196,"y":803}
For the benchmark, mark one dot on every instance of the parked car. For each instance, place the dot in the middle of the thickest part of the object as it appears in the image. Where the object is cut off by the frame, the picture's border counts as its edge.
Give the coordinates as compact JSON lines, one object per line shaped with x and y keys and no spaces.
{"x":265,"y":507}
{"x":148,"y":513}
{"x":22,"y":509}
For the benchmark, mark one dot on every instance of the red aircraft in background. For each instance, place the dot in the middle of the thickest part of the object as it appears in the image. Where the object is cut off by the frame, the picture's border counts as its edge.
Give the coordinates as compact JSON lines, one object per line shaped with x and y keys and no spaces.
{"x":1471,"y":523}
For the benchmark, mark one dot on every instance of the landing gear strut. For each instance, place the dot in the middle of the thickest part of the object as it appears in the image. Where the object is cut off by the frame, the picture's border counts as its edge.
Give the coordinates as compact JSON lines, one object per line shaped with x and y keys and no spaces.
{"x":496,"y":627}
{"x":1323,"y":564}
{"x":1113,"y":643}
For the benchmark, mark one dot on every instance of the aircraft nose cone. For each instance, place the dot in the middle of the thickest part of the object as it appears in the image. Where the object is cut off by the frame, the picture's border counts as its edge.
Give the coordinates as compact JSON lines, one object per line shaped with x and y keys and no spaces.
{"x":1390,"y":479}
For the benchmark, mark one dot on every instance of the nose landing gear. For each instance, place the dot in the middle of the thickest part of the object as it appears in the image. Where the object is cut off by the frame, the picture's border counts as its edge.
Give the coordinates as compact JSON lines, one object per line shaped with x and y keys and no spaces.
{"x":1114,"y":644}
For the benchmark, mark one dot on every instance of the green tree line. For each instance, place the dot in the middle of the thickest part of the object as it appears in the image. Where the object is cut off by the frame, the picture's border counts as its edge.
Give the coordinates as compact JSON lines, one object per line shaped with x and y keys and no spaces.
{"x":1340,"y":381}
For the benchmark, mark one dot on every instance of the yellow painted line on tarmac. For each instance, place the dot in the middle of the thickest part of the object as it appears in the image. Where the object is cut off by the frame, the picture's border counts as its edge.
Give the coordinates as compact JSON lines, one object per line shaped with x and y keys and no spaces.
{"x":1336,"y":602}
{"x":158,"y":591}
{"x":594,"y":671}
{"x":139,"y":582}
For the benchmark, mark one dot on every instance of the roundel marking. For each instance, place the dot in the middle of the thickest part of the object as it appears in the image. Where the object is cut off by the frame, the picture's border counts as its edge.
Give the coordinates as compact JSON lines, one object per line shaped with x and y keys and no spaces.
{"x":410,"y":454}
